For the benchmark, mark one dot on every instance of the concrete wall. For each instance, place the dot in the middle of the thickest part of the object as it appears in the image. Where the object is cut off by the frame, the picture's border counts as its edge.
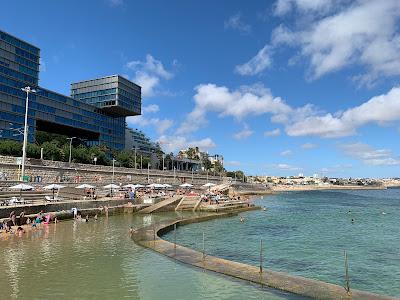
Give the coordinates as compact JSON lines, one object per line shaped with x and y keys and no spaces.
{"x":53,"y":207}
{"x":56,"y":171}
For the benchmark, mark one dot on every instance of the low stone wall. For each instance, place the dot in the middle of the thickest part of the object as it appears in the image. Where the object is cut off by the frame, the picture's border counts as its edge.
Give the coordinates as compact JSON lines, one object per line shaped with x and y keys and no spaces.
{"x":63,"y":206}
{"x":57,"y":171}
{"x":148,"y":237}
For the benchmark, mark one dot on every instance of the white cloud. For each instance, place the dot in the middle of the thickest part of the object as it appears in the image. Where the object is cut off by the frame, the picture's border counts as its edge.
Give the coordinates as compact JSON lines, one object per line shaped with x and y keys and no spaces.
{"x":247,"y":100}
{"x":161,"y":125}
{"x":334,"y":35}
{"x":257,"y":64}
{"x":286,"y":153}
{"x":152,"y":108}
{"x":379,"y":109}
{"x":308,"y":146}
{"x":271,"y":133}
{"x":176,"y":143}
{"x":244,"y":133}
{"x":302,"y":121}
{"x":286,"y":167}
{"x":235,"y":22}
{"x":283,"y":7}
{"x":148,"y":74}
{"x":371,"y":156}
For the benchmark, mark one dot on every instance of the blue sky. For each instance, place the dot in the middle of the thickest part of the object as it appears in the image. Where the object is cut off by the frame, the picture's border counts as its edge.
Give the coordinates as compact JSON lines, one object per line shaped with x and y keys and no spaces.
{"x":278,"y":87}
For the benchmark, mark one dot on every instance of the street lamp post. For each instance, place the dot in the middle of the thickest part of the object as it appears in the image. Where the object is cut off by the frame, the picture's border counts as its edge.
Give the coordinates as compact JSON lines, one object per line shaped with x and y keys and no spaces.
{"x":148,"y":172}
{"x":163,"y":159}
{"x":141,"y":161}
{"x":70,"y":148}
{"x":113,"y":166}
{"x":135,"y":157}
{"x":27,"y":90}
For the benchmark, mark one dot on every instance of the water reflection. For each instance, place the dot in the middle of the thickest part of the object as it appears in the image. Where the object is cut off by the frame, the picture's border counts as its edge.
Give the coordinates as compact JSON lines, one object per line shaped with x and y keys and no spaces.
{"x":99,"y":260}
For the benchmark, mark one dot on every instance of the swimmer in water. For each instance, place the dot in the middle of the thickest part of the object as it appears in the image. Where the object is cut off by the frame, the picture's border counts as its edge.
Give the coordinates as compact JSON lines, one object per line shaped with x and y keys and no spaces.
{"x":264,"y":208}
{"x":241,"y":219}
{"x":352,"y":221}
{"x":131,"y":230}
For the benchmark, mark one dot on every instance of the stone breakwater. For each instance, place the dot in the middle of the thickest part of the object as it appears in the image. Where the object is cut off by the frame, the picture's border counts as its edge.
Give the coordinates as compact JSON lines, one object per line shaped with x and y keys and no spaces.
{"x":149,"y":237}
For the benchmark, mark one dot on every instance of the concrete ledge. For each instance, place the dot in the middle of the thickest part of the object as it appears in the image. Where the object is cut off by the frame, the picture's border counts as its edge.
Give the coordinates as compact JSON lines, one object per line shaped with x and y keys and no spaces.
{"x":59,"y":206}
{"x":148,"y":237}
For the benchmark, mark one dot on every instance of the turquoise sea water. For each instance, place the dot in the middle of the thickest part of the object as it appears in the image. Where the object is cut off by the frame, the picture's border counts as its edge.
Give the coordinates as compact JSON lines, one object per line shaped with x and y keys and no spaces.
{"x":99,"y":260}
{"x":305,"y":233}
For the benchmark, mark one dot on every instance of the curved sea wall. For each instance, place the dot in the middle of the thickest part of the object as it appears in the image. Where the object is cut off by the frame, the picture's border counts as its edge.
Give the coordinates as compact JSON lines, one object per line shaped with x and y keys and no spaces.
{"x":148,"y":237}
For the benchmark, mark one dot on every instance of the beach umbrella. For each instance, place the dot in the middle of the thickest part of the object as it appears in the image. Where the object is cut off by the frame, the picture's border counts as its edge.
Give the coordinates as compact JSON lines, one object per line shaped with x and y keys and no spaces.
{"x":186,"y":185}
{"x":209,"y":184}
{"x":54,"y":187}
{"x":21,"y":187}
{"x":138,"y":186}
{"x":155,"y":186}
{"x":130,"y":186}
{"x":111,"y":186}
{"x":85,"y":186}
{"x":166,"y":185}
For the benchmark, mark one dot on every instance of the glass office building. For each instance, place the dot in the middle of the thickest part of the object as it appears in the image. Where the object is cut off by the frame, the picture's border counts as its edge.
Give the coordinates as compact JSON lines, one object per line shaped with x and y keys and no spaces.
{"x":95,"y":112}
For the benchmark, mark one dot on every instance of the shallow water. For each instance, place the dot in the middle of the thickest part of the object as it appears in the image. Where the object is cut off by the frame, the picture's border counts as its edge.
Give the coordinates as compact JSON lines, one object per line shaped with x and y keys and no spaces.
{"x":99,"y":260}
{"x":306,"y":233}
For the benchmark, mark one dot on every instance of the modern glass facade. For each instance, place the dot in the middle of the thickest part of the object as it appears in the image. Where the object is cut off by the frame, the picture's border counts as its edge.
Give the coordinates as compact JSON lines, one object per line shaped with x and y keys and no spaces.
{"x":96,"y":111}
{"x":136,"y":139}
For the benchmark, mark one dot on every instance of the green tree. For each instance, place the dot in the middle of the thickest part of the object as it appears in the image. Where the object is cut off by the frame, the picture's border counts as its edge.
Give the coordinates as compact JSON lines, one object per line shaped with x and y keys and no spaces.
{"x":33,"y":151}
{"x":11,"y":148}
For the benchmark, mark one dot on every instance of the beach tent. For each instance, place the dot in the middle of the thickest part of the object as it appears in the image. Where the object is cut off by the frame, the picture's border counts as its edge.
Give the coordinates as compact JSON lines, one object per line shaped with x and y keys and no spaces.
{"x":186,"y":185}
{"x":85,"y":186}
{"x":53,"y":187}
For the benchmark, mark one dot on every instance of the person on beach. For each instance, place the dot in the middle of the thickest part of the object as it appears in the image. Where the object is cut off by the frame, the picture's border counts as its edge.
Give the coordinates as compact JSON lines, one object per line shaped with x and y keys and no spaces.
{"x":87,"y":218}
{"x":74,"y":211}
{"x":22,"y":219}
{"x":20,"y":231}
{"x":13,"y":218}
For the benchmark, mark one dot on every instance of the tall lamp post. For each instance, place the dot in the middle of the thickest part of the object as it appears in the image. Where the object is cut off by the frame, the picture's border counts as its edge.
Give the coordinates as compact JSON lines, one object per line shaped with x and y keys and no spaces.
{"x":113,"y":167}
{"x":27,"y":90}
{"x":70,"y":148}
{"x":135,"y":157}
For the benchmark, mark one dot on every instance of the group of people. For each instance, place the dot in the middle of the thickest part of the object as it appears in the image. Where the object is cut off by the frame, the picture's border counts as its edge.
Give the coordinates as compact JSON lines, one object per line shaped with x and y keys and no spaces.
{"x":21,"y":221}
